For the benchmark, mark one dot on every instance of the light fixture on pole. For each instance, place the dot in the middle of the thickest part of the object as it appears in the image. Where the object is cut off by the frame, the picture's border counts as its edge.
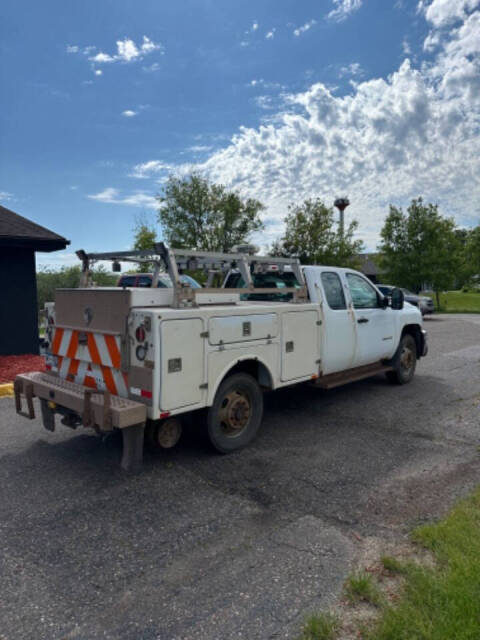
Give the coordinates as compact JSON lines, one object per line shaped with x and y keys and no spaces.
{"x":341,"y":204}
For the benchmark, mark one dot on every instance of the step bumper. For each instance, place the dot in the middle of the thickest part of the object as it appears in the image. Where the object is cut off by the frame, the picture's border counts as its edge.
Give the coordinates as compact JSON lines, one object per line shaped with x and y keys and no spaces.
{"x":98,"y":409}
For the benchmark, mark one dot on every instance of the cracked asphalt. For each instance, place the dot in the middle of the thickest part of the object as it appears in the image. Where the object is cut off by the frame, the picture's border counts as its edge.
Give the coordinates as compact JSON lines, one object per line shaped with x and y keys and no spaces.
{"x":202,"y":546}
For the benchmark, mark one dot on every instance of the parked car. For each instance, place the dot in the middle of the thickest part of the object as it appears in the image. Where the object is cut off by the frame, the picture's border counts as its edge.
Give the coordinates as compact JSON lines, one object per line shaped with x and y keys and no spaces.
{"x":424,"y":303}
{"x":145,"y":280}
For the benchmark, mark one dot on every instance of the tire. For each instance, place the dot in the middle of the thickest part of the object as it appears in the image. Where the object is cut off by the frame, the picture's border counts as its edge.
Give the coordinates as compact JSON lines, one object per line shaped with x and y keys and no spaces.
{"x":404,"y":361}
{"x":236,"y":413}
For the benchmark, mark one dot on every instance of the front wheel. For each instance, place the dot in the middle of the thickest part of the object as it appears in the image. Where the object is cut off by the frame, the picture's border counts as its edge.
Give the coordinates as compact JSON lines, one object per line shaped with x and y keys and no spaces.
{"x":404,"y":361}
{"x":236,"y":413}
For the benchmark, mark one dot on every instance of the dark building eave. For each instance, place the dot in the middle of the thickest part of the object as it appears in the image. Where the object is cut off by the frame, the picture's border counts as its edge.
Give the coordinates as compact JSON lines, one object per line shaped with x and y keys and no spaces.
{"x":36,"y":244}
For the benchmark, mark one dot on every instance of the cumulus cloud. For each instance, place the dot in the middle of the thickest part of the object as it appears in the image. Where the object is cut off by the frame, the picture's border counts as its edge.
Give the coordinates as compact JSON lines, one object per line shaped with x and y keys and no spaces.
{"x":127,"y":51}
{"x":128,"y":113}
{"x":306,"y":27}
{"x":270,"y":34}
{"x":343,"y":9}
{"x":110,"y":195}
{"x":5,"y":196}
{"x":443,"y":12}
{"x":415,"y":132}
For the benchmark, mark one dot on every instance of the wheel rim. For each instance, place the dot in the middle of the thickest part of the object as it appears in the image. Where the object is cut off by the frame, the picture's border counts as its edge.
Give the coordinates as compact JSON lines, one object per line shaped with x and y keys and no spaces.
{"x":235,"y":413}
{"x":407,"y":359}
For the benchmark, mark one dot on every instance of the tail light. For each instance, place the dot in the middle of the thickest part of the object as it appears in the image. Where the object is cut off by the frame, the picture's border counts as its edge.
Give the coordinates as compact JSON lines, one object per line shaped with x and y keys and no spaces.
{"x":140,"y":334}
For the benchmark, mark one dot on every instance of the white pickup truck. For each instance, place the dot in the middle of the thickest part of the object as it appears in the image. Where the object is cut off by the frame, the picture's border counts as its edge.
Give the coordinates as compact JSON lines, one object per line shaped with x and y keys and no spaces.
{"x":139,"y":359}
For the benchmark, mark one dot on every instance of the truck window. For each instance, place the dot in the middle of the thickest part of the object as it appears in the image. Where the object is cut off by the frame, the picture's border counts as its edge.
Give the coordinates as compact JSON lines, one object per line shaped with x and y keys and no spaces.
{"x":364,"y":296}
{"x":127,"y":281}
{"x":333,"y":288}
{"x":144,"y":281}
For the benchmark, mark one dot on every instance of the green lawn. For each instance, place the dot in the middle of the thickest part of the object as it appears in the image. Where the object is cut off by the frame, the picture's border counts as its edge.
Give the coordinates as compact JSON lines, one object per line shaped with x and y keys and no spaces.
{"x":438,"y":601}
{"x":457,"y":302}
{"x":441,"y":603}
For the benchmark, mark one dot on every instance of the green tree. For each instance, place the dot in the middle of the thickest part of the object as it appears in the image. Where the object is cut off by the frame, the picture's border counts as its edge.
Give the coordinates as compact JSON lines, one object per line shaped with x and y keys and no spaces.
{"x":312,"y":235}
{"x":420,"y":248}
{"x":144,"y":237}
{"x":472,"y":254}
{"x":48,"y":280}
{"x":197,"y":214}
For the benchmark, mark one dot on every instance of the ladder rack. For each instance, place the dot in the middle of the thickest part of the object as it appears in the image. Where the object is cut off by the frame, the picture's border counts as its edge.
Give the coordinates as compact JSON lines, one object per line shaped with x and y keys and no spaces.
{"x":174,"y":261}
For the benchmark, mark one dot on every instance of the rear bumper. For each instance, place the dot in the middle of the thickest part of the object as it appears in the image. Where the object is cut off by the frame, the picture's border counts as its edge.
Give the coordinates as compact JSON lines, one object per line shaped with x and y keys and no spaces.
{"x":95,"y":408}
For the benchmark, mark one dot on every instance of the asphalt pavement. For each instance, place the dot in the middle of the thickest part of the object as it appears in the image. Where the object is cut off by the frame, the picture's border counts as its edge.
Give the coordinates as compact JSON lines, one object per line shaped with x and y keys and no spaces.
{"x":203,"y":546}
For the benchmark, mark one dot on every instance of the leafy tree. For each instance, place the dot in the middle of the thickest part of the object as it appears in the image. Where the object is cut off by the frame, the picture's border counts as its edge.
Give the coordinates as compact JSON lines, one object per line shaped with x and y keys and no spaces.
{"x":48,"y":280}
{"x":420,"y":248}
{"x":312,"y":235}
{"x":472,"y":253}
{"x":197,"y":214}
{"x":144,"y":237}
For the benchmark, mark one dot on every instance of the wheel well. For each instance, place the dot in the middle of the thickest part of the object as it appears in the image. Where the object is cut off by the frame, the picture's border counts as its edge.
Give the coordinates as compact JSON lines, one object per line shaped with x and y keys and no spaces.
{"x":254,"y":368}
{"x":414,"y":331}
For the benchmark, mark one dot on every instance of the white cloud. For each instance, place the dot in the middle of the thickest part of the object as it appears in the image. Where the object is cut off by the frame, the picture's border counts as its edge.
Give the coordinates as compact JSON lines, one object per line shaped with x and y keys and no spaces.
{"x":406,"y":48}
{"x":415,"y":132}
{"x":150,"y":168}
{"x":255,"y":26}
{"x":110,"y":195}
{"x":199,"y":148}
{"x":5,"y":196}
{"x":127,"y":51}
{"x":343,"y":8}
{"x":353,"y":69}
{"x":444,"y":12}
{"x":271,"y":34}
{"x":98,"y":72}
{"x":305,"y":27}
{"x":128,"y":113}
{"x":152,"y":68}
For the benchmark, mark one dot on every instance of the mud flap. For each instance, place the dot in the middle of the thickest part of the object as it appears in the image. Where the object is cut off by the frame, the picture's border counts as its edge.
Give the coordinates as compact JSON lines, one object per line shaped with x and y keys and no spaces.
{"x":132,"y":455}
{"x":48,"y":416}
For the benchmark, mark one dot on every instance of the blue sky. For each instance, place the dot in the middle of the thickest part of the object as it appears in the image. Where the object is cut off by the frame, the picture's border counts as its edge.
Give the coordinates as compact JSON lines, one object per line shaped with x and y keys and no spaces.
{"x":279,"y":99}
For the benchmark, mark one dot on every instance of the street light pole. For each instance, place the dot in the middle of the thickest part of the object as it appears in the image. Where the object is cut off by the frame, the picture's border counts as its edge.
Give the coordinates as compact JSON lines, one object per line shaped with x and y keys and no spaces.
{"x":341,"y":204}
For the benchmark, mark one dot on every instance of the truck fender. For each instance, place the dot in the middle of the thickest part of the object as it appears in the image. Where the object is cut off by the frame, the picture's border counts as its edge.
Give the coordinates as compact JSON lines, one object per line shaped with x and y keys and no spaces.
{"x":264,"y":377}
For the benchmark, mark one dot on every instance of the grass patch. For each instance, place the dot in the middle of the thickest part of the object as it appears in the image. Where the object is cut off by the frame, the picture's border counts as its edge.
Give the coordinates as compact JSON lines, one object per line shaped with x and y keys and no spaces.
{"x":361,"y":587}
{"x":457,"y":302}
{"x":324,"y":626}
{"x":440,"y":603}
{"x":392,"y":564}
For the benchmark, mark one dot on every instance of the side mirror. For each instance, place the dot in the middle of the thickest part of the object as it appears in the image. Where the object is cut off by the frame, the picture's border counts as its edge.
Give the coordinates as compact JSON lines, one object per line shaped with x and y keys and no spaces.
{"x":382,"y":301}
{"x":397,"y":299}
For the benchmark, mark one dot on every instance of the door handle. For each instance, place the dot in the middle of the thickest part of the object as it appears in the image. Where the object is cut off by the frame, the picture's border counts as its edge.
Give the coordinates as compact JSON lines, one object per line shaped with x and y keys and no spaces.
{"x":362,"y":320}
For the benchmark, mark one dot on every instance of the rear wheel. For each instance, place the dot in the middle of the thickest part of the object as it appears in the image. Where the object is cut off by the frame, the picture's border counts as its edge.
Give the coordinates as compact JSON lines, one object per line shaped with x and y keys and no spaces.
{"x":404,"y":361}
{"x":235,"y":416}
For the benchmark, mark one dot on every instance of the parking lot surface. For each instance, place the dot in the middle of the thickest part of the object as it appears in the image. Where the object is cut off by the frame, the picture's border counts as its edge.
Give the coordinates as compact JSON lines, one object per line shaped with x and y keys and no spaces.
{"x":202,"y":546}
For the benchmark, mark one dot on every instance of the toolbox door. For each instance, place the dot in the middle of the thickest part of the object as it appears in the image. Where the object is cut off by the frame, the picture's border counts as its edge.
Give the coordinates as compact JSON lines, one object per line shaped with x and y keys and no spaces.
{"x":300,"y":350}
{"x":182,"y":363}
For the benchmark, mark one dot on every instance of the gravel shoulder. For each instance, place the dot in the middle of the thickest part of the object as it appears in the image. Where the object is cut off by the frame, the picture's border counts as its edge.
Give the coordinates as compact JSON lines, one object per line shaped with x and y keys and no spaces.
{"x":240,"y":546}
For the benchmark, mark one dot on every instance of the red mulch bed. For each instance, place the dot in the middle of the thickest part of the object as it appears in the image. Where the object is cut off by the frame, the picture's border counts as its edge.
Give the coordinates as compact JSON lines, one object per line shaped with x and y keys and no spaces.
{"x":10,"y":366}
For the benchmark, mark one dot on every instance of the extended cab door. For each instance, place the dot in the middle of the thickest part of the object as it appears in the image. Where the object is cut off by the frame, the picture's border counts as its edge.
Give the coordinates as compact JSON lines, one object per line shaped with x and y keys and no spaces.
{"x":374,"y":324}
{"x":338,"y":332}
